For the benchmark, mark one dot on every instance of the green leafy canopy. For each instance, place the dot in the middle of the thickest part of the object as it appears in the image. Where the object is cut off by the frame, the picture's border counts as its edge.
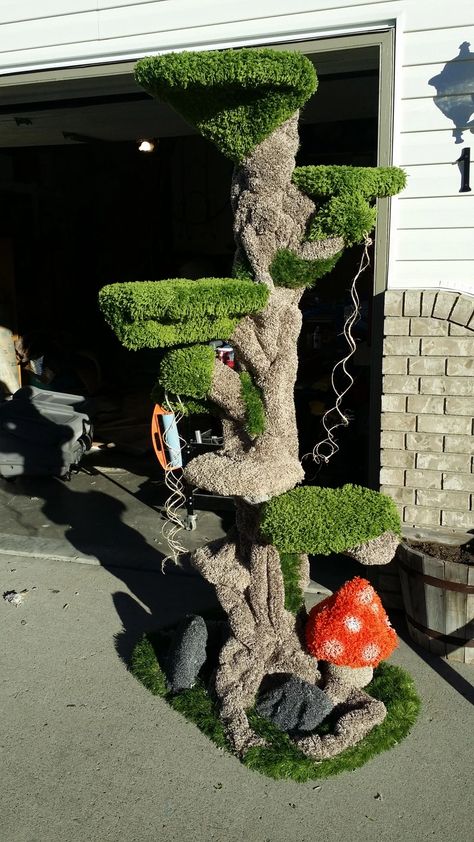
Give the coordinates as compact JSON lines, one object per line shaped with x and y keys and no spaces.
{"x":345,"y":198}
{"x":182,"y":403}
{"x":327,"y":520}
{"x":349,"y":216}
{"x":235,"y":98}
{"x":289,"y":270}
{"x":188,"y":371}
{"x":332,"y":180}
{"x":157,"y":314}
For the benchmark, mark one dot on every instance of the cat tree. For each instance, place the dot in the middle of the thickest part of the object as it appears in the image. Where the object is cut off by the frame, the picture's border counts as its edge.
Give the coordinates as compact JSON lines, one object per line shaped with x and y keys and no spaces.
{"x":291,"y":225}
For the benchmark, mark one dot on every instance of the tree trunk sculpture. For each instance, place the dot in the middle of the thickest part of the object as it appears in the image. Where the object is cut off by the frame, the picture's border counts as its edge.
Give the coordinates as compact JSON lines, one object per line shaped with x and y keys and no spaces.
{"x":247,"y":102}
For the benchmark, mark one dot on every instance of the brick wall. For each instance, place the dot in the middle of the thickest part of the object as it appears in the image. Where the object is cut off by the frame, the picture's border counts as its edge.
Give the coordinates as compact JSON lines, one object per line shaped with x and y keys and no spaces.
{"x":427,"y":407}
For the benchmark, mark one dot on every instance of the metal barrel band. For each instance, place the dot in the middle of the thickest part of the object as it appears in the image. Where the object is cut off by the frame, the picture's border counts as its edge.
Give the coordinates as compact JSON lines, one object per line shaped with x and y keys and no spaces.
{"x":443,"y":638}
{"x":437,"y":583}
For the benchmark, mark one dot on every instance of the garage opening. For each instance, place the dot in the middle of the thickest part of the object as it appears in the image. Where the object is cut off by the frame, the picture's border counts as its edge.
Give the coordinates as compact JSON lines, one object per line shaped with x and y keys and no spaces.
{"x":81,"y":207}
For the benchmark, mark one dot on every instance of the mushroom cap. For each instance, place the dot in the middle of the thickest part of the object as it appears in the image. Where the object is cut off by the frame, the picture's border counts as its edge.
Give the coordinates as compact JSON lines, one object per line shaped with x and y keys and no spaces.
{"x":351,"y":628}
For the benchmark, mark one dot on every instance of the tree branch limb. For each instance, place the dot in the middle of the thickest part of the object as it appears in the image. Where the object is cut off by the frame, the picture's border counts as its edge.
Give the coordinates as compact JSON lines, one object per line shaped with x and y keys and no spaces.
{"x":360,"y":714}
{"x":225,"y":391}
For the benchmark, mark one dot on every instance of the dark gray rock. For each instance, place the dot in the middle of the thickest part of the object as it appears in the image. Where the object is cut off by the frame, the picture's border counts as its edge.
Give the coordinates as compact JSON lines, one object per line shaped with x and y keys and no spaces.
{"x":295,"y":706}
{"x":186,"y":654}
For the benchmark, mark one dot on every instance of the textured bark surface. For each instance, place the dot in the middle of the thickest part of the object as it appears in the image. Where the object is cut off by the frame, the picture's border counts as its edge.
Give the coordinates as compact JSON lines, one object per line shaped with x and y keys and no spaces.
{"x":359,"y":713}
{"x":267,"y":345}
{"x":270,"y":214}
{"x":264,"y":636}
{"x":379,"y":550}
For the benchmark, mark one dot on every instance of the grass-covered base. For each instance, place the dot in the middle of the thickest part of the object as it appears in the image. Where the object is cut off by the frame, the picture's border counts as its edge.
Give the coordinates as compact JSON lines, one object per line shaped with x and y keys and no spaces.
{"x":280,"y":758}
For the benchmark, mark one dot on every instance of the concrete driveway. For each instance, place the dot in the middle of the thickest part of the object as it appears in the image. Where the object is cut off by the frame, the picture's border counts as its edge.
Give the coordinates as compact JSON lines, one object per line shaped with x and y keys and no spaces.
{"x":88,"y":754}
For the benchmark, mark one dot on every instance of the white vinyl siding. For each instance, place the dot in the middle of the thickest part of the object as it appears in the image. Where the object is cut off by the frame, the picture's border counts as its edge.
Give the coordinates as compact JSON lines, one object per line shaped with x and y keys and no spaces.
{"x":11,"y":11}
{"x":438,"y":212}
{"x":134,"y":28}
{"x":434,"y":221}
{"x":454,"y":274}
{"x":432,"y":233}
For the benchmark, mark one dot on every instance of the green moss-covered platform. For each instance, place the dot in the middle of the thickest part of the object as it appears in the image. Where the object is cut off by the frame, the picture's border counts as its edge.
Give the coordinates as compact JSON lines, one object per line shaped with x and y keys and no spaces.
{"x":281,"y":758}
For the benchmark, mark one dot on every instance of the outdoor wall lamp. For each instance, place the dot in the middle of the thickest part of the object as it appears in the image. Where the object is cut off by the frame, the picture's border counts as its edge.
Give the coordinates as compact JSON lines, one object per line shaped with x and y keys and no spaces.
{"x":455,"y":91}
{"x":464,"y":163}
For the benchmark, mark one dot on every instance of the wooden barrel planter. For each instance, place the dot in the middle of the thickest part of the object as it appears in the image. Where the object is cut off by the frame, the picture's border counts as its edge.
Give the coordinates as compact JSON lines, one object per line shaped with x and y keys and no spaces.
{"x":438,"y":597}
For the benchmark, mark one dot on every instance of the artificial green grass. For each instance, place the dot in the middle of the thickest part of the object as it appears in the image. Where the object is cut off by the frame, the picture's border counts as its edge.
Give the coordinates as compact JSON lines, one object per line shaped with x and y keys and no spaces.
{"x":289,"y":270}
{"x":345,"y":196}
{"x":254,"y":408}
{"x":280,"y":758}
{"x":185,"y":405}
{"x":179,"y":298}
{"x":236,"y":98}
{"x":242,"y":269}
{"x":333,"y":180}
{"x":290,"y":568}
{"x":349,"y":216}
{"x":154,"y":334}
{"x":188,"y":371}
{"x":157,"y":314}
{"x":322,"y":521}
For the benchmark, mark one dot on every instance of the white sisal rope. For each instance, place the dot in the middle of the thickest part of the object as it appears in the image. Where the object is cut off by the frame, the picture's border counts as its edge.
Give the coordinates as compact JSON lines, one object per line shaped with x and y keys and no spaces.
{"x":327,"y":447}
{"x":173,"y":480}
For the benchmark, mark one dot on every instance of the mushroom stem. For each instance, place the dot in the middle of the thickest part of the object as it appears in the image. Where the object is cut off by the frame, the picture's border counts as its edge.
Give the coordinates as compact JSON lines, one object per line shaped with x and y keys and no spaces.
{"x":338,"y":682}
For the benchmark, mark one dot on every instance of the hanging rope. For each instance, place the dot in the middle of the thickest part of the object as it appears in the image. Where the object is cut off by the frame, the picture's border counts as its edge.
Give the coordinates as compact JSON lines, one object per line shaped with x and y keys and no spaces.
{"x":327,"y":447}
{"x":173,"y":480}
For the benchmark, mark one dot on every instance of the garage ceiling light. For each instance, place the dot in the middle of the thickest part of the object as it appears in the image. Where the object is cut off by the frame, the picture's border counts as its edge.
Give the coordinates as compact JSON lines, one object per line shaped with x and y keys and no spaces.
{"x":146,"y":145}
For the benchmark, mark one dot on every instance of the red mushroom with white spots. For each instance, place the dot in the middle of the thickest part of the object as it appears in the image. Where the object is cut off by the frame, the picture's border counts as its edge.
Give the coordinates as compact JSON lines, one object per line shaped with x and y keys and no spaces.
{"x":351,"y":633}
{"x":351,"y":628}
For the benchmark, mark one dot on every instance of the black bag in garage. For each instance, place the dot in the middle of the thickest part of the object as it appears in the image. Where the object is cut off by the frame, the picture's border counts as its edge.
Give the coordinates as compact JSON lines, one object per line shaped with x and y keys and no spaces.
{"x":43,"y":433}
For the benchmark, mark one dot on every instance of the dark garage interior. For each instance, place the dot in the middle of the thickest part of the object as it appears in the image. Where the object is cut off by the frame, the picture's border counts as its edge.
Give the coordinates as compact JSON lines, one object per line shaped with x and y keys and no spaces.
{"x":81,"y":206}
